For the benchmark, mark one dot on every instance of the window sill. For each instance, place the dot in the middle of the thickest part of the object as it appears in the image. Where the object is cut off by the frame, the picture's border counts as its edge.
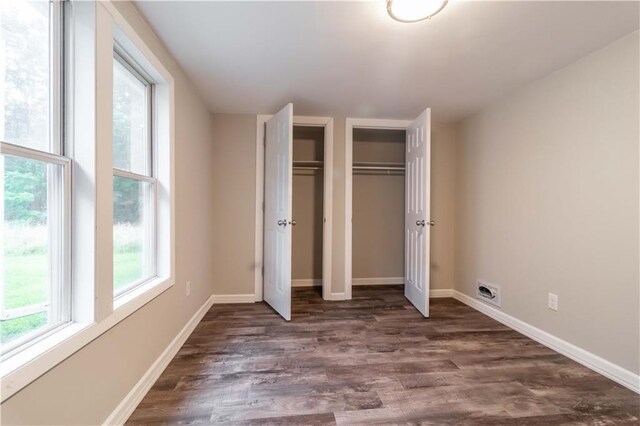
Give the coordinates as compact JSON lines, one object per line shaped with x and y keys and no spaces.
{"x":146,"y":291}
{"x":26,"y":366}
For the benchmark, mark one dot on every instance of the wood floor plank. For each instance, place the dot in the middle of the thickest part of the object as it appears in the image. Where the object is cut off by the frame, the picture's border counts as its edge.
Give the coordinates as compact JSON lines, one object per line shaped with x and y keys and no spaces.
{"x":374,"y":360}
{"x":307,"y":419}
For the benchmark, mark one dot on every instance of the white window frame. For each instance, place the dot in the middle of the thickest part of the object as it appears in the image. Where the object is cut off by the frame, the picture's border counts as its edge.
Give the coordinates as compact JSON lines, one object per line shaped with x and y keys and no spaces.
{"x":123,"y":58}
{"x":58,"y":195}
{"x":96,"y":27}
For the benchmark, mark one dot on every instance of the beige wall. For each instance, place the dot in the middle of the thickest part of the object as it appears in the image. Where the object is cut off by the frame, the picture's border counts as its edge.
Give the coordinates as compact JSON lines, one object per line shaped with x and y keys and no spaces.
{"x":378,"y":226}
{"x":233,"y":215}
{"x":87,"y":387}
{"x":443,"y":166}
{"x":235,"y":140}
{"x":547,"y":201}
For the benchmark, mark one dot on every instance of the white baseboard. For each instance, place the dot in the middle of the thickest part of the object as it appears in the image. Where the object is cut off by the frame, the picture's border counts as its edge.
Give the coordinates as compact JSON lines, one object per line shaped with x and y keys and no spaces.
{"x":233,"y":298}
{"x":590,"y":360}
{"x":439,"y":293}
{"x":337,"y":296}
{"x":306,"y":282}
{"x":378,"y":281}
{"x":126,"y":407}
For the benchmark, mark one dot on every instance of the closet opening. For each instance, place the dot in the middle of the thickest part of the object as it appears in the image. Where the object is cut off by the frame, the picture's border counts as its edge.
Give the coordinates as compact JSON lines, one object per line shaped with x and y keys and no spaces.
{"x":378,"y":206}
{"x":294,"y":184}
{"x":308,"y":207}
{"x":387,"y":205}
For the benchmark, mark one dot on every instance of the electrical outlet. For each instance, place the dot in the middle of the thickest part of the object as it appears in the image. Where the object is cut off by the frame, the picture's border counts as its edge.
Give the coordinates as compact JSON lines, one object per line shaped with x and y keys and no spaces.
{"x":553,"y":301}
{"x":188,"y":288}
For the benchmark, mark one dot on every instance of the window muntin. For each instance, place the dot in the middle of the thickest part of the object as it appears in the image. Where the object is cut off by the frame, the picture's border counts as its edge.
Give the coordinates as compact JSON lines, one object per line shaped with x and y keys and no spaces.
{"x":35,"y":177}
{"x":134,"y":186}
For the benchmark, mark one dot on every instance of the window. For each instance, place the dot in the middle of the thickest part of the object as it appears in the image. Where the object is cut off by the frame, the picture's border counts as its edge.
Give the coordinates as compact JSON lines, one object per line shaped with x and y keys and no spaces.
{"x":134,"y":185}
{"x":34,"y":267}
{"x":56,"y":290}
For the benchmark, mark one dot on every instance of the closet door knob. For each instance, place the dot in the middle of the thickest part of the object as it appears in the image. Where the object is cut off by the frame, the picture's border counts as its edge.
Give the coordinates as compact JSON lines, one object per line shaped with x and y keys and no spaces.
{"x":282,"y":223}
{"x":431,"y":223}
{"x":420,"y":222}
{"x":293,"y":222}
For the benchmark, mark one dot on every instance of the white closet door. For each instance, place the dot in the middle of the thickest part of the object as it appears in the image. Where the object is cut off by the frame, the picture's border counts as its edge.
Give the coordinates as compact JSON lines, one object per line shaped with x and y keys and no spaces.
{"x":277,"y":211}
{"x":417,"y":221}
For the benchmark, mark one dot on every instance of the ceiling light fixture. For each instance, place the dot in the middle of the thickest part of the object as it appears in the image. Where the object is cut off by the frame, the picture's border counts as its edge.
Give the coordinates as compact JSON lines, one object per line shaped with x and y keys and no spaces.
{"x":414,"y":10}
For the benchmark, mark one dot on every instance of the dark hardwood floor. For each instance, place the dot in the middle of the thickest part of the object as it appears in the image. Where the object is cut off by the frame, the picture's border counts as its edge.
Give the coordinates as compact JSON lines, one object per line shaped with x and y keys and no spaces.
{"x":374,"y":360}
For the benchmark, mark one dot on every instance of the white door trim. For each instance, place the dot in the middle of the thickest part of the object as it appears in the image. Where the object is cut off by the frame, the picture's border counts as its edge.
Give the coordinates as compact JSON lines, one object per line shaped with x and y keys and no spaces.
{"x":357,"y":123}
{"x":327,"y":123}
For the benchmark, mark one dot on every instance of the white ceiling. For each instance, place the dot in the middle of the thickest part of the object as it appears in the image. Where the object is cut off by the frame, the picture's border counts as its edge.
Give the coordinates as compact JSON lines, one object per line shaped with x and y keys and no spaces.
{"x":351,"y":59}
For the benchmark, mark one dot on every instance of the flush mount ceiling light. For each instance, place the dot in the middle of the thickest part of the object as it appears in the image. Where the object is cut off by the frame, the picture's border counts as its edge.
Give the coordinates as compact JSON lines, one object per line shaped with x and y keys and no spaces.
{"x":414,"y":10}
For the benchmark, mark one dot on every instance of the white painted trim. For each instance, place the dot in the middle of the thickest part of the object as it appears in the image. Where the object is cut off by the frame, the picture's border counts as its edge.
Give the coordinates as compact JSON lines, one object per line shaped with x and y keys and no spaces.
{"x":440,"y":293}
{"x":337,"y":296}
{"x":126,"y":407}
{"x":306,"y":282}
{"x":378,"y":281}
{"x":23,"y":368}
{"x":378,"y":123}
{"x":138,"y":42}
{"x":90,"y":322}
{"x":219,"y":299}
{"x":590,"y":360}
{"x":356,"y":123}
{"x":327,"y":207}
{"x":348,"y":207}
{"x":327,"y":204}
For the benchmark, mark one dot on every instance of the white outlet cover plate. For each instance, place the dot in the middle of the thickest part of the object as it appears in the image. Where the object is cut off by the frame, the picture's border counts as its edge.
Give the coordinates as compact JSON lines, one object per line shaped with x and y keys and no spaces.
{"x":553,"y":301}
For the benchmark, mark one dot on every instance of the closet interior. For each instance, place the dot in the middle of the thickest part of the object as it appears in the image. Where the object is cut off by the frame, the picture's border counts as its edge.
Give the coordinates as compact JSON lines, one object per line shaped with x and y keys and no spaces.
{"x":307,"y":205}
{"x":378,"y":206}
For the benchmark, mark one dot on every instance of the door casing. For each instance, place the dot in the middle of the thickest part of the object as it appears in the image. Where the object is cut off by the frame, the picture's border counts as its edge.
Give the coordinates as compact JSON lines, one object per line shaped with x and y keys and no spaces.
{"x":327,"y":231}
{"x":351,"y":124}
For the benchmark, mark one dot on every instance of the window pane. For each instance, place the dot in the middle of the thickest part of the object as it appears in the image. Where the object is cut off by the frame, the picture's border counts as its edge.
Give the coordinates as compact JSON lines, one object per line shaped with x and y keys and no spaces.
{"x":24,"y":73}
{"x":30,"y":292}
{"x":130,"y":121}
{"x":132,"y":232}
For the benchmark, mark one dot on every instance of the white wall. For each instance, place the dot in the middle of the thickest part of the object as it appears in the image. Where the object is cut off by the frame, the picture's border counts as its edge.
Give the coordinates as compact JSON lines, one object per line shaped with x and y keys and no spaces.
{"x":547,"y":201}
{"x":87,"y":387}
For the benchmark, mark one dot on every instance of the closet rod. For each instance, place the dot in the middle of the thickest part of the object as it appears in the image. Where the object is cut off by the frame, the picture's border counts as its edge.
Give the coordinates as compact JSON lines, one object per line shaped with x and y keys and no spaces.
{"x":381,"y":168}
{"x":307,"y":168}
{"x":308,"y":163}
{"x":378,"y":166}
{"x":379,"y":172}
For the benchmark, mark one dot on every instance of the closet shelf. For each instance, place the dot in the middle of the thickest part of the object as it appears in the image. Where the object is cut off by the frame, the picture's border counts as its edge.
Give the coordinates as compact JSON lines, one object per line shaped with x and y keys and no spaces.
{"x":308,"y":165}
